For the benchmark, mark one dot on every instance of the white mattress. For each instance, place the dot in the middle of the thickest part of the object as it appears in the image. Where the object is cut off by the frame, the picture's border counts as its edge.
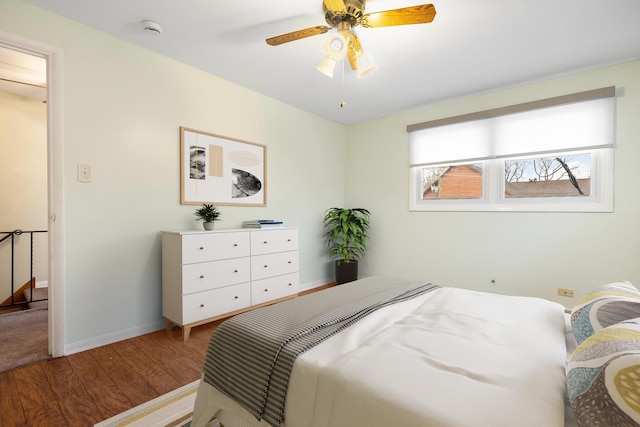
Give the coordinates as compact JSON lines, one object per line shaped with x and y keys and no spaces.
{"x":451,"y":357}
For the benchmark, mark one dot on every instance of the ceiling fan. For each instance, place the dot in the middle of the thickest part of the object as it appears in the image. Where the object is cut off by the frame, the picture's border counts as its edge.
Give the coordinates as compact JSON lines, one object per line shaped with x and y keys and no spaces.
{"x":343,"y":15}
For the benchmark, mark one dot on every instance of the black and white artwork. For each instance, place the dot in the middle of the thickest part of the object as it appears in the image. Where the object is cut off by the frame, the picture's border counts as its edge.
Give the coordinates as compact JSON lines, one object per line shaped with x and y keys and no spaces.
{"x":245,"y":184}
{"x":197,"y":162}
{"x":221,"y":170}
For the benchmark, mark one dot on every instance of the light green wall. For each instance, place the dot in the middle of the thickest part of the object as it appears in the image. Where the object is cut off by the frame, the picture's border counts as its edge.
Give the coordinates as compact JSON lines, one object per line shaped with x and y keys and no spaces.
{"x":123,"y":107}
{"x":525,"y":253}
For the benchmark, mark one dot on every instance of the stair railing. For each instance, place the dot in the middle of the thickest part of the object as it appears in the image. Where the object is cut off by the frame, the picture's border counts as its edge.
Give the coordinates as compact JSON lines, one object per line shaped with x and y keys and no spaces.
{"x":11,"y":236}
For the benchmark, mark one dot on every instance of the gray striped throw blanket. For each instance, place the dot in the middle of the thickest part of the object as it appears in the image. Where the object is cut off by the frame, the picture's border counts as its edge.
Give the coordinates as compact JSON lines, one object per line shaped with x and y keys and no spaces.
{"x":250,"y":356}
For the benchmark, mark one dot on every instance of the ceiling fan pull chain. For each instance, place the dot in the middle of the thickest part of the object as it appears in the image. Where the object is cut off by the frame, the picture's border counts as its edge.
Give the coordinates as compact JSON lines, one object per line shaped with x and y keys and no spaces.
{"x":342,"y":101}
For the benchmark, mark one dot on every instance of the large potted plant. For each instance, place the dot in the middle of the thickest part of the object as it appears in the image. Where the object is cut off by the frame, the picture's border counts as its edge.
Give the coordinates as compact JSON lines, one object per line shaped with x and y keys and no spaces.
{"x":346,"y":235}
{"x":208,"y":214}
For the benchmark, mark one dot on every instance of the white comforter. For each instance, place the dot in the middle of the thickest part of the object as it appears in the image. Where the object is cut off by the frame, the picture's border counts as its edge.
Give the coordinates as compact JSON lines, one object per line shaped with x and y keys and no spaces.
{"x":451,"y":357}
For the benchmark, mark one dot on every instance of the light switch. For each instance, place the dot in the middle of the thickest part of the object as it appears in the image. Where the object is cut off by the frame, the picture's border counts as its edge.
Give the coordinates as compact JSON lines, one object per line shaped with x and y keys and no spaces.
{"x":84,"y":172}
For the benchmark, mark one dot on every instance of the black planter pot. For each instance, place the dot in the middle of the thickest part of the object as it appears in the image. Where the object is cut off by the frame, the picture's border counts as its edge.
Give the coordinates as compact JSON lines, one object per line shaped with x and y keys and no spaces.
{"x":346,"y":271}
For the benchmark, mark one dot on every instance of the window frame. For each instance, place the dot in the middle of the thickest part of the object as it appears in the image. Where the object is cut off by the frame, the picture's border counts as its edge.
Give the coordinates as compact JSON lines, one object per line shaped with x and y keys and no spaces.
{"x":430,"y":147}
{"x":600,"y":198}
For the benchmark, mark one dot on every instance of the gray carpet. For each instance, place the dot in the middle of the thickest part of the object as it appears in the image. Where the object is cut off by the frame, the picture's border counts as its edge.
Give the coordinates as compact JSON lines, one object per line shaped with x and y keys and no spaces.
{"x":23,"y":338}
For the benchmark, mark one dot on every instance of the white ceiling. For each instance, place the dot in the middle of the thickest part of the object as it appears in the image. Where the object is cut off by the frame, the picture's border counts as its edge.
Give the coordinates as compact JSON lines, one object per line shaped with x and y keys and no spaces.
{"x":471,"y":47}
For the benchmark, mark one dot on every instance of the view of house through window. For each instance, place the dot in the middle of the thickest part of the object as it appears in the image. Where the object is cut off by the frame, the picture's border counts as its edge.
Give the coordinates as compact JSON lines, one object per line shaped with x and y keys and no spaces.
{"x":559,"y":176}
{"x":452,"y":182}
{"x":565,"y":175}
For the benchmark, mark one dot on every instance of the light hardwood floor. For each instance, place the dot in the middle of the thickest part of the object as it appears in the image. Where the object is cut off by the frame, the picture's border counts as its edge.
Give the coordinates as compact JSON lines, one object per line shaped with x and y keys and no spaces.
{"x":87,"y":387}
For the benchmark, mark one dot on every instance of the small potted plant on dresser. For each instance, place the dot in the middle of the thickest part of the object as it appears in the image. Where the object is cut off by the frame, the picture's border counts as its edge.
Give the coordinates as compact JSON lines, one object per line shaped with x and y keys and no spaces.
{"x":346,"y":235}
{"x":208,"y":214}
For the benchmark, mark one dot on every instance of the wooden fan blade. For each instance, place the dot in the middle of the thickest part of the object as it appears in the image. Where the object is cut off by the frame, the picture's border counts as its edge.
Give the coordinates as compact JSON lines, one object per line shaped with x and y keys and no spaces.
{"x":353,"y":51}
{"x":335,"y":5}
{"x":422,"y":14}
{"x":297,"y":35}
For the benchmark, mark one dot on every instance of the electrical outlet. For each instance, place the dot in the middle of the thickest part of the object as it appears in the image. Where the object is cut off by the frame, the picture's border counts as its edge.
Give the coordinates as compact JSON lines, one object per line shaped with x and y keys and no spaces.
{"x":565,"y":292}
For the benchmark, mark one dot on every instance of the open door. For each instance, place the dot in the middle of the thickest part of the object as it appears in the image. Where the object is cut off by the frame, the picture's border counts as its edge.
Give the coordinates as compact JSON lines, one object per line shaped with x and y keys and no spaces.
{"x":31,"y":81}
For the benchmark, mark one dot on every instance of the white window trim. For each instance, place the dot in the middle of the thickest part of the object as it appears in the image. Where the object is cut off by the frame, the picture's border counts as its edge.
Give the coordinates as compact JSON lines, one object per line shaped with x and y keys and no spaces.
{"x":600,"y":198}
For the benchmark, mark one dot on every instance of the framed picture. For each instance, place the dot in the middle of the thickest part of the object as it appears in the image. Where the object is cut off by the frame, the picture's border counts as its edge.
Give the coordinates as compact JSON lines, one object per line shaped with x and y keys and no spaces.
{"x":220,"y":170}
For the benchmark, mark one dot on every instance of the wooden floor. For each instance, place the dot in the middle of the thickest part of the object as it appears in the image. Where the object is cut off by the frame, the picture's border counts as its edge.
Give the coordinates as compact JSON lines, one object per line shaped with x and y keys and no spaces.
{"x":85,"y":388}
{"x":88,"y":387}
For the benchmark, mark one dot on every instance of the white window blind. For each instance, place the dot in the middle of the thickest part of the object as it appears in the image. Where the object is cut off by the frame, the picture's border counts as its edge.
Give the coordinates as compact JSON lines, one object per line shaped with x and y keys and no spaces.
{"x":573,"y":122}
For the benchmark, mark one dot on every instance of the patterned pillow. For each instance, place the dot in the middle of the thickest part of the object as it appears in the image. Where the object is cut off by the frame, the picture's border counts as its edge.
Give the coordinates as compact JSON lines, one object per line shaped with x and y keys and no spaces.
{"x":603,"y":376}
{"x":604,"y":306}
{"x":625,"y":287}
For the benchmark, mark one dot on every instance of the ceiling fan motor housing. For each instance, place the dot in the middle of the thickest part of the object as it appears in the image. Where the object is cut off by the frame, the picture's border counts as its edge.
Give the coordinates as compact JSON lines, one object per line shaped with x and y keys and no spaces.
{"x":352,"y":16}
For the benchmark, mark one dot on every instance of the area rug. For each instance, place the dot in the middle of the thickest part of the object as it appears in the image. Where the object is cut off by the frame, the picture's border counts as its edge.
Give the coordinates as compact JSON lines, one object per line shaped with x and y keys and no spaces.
{"x":174,"y":409}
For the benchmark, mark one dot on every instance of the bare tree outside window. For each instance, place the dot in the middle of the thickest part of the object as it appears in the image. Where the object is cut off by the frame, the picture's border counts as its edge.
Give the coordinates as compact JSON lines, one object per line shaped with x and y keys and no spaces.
{"x":548,"y":176}
{"x":431,"y":178}
{"x":514,"y":169}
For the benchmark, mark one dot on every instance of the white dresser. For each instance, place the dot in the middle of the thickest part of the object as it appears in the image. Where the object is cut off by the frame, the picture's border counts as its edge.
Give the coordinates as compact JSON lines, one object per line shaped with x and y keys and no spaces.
{"x":209,"y":275}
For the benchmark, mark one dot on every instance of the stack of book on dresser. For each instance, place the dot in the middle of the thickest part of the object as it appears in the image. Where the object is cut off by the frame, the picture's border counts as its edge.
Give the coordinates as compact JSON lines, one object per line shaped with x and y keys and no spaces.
{"x":262,"y":223}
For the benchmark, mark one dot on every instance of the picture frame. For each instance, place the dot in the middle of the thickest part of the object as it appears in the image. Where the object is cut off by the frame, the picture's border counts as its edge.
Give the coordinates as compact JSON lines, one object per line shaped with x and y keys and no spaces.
{"x":220,"y":170}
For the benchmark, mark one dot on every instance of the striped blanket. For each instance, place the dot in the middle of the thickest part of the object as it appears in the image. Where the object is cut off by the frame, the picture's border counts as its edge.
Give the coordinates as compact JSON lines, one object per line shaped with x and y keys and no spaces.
{"x":250,"y":356}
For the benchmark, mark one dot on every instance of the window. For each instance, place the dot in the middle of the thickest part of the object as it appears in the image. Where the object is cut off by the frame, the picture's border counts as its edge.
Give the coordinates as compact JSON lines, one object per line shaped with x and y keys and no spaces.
{"x":551,"y":155}
{"x":557,"y":176}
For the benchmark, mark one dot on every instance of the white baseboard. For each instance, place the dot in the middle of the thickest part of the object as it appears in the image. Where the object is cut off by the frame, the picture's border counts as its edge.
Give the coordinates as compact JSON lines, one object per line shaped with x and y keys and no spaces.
{"x":313,"y":285}
{"x":113,"y":337}
{"x":43,"y":284}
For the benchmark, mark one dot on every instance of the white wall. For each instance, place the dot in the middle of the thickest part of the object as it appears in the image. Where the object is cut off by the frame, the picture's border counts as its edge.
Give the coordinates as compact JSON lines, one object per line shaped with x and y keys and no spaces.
{"x":23,"y":188}
{"x":525,"y":253}
{"x":123,"y":107}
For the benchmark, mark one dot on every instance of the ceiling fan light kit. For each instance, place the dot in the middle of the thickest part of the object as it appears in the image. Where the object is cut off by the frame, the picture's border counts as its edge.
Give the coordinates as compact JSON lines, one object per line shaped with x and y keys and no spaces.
{"x":327,"y":66}
{"x":366,"y":65}
{"x":343,"y":15}
{"x":335,"y":46}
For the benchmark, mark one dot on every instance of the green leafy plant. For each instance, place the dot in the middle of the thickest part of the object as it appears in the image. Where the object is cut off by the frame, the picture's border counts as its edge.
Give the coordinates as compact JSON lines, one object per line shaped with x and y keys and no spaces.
{"x":208,"y":213}
{"x":346,"y":233}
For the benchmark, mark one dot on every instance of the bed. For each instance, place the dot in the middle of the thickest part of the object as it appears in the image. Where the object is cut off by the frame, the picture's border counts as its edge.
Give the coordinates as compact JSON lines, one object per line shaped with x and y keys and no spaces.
{"x":441,"y":357}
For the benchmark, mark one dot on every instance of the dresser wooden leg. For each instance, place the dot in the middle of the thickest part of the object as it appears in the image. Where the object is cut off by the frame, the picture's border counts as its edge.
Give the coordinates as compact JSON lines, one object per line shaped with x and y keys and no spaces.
{"x":186,"y":331}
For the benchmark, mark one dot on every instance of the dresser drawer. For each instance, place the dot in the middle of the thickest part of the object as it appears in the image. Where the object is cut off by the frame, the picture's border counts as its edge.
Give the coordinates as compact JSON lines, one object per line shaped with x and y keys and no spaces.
{"x":270,"y":241}
{"x":274,"y":287}
{"x":263,"y":266}
{"x":207,"y":304}
{"x":203,"y":247}
{"x":215,"y":274}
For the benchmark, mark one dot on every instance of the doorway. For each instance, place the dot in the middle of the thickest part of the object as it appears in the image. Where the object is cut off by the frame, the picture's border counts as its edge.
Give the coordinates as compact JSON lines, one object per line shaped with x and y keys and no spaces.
{"x":37,"y":166}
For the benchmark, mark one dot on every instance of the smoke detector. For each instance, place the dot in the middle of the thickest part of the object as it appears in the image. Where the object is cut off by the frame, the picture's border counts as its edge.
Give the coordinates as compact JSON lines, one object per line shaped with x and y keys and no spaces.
{"x":151,"y":27}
